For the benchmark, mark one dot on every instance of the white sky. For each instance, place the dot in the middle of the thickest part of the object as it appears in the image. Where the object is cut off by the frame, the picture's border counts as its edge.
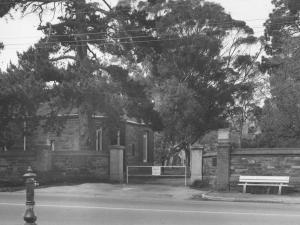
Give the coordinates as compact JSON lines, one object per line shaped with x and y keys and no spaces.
{"x":19,"y":33}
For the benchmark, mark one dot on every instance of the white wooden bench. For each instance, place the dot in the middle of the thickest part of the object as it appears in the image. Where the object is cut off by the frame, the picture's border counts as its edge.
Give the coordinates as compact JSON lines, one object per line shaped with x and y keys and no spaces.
{"x":269,"y":181}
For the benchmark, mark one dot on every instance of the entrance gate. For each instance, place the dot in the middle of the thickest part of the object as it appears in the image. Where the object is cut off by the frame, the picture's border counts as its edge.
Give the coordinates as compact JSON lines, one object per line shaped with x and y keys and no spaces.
{"x":144,"y":172}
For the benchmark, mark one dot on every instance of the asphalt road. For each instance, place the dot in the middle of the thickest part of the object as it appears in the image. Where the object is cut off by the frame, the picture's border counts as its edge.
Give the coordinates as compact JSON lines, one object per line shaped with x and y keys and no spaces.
{"x":76,"y":210}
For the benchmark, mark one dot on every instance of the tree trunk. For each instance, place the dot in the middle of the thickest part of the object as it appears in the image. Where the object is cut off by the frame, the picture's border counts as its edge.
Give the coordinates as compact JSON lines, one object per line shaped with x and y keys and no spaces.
{"x":86,"y":127}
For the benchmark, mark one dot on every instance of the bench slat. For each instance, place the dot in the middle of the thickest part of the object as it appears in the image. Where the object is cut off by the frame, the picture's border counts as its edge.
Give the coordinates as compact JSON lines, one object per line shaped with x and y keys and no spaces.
{"x":267,"y":185}
{"x":280,"y":181}
{"x":264,"y":179}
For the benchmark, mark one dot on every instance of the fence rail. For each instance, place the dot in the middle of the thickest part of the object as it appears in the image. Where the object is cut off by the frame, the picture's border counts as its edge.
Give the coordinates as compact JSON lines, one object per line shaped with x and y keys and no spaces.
{"x":156,"y":171}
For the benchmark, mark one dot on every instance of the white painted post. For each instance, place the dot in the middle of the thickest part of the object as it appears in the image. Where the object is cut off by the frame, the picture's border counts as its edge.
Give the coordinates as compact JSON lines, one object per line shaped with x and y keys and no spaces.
{"x":116,"y":168}
{"x":196,"y":163}
{"x":185,"y":176}
{"x":127,"y":175}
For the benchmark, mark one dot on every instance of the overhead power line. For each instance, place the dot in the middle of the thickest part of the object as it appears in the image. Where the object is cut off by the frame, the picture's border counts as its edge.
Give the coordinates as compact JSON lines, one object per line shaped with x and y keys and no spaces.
{"x":44,"y":45}
{"x":134,"y":30}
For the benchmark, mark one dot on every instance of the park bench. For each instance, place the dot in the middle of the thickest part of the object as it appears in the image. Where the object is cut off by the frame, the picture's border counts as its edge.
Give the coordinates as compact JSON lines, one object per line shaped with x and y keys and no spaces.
{"x":268,"y":181}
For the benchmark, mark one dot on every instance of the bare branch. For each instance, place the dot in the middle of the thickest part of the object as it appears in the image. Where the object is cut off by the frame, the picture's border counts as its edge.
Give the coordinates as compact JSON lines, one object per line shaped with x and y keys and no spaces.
{"x":105,"y":2}
{"x":93,"y":53}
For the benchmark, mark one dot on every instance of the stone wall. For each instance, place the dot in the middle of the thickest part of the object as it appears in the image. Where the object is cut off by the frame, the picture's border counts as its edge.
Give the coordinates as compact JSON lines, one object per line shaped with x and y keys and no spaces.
{"x":81,"y":165}
{"x":51,"y":166}
{"x":268,"y":162}
{"x":209,"y":168}
{"x":255,"y":161}
{"x":133,"y":144}
{"x":67,"y":140}
{"x":133,"y":155}
{"x":13,"y":165}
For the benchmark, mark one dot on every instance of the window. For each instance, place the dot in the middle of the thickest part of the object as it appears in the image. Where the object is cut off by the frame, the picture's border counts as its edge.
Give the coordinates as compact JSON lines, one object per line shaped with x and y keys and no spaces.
{"x":24,"y":136}
{"x":99,"y":139}
{"x":133,"y":149}
{"x":145,"y":147}
{"x":52,"y":145}
{"x":214,"y":161}
{"x":24,"y":142}
{"x":118,"y":137}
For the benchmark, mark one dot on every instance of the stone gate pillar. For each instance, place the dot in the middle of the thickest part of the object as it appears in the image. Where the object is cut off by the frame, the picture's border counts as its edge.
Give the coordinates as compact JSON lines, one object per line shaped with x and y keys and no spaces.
{"x":116,"y":163}
{"x":223,"y":160}
{"x":196,"y":163}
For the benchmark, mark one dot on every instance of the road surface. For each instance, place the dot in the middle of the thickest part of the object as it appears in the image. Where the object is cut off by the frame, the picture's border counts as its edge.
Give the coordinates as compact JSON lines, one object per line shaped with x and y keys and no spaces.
{"x":78,"y":210}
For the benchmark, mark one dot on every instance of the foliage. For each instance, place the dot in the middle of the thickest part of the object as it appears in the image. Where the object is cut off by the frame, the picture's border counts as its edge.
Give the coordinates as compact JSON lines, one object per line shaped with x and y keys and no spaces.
{"x":66,"y":60}
{"x":193,"y":72}
{"x":283,"y":22}
{"x":199,"y":70}
{"x":20,"y":95}
{"x":281,"y":115}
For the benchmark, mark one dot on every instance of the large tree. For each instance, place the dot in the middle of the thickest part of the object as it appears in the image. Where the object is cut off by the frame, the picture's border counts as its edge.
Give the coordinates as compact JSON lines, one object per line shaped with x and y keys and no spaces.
{"x":281,"y":113}
{"x":283,"y":22}
{"x":81,"y":34}
{"x":202,"y":67}
{"x":280,"y":117}
{"x":181,"y":47}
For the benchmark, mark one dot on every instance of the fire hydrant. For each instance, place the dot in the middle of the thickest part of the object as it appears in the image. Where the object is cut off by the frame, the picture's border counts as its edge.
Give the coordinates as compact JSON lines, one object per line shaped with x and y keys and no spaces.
{"x":30,"y":183}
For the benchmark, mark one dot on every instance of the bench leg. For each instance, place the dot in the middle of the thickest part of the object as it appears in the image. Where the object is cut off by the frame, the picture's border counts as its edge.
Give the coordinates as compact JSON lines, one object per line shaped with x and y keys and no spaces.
{"x":279,"y":190}
{"x":244,"y":188}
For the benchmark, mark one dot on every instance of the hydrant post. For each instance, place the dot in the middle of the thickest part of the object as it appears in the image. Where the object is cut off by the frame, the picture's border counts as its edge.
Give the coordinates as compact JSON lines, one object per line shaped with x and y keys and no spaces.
{"x":30,"y":182}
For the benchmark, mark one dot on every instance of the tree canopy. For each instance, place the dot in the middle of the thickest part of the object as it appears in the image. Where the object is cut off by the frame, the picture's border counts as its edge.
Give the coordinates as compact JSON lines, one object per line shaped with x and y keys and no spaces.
{"x":180,"y":62}
{"x":280,"y":115}
{"x":201,"y":68}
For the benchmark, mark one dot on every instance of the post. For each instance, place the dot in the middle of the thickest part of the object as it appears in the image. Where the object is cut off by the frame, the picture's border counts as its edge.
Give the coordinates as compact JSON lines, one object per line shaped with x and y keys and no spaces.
{"x":223,"y":160}
{"x":30,"y":182}
{"x":116,"y":163}
{"x":127,"y":175}
{"x":196,"y":163}
{"x":185,"y":176}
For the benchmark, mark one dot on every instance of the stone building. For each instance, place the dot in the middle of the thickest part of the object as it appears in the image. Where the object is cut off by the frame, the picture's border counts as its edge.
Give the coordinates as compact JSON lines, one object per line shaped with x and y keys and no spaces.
{"x":60,"y":158}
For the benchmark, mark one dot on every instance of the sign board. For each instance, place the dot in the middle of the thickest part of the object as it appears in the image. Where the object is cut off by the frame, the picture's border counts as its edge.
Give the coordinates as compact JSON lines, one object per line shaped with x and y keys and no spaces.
{"x":156,"y":171}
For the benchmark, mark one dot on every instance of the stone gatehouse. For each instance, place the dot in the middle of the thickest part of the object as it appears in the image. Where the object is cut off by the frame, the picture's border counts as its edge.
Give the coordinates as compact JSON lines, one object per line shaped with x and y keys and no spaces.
{"x":59,"y":157}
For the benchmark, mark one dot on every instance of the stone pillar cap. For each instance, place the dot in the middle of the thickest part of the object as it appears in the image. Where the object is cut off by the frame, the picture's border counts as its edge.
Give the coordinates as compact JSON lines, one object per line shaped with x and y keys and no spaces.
{"x":120,"y":147}
{"x":197,"y":147}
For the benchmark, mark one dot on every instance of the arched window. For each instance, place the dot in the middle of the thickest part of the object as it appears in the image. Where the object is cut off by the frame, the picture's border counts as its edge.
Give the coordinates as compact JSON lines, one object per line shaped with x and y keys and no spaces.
{"x":145,"y":147}
{"x":99,"y":139}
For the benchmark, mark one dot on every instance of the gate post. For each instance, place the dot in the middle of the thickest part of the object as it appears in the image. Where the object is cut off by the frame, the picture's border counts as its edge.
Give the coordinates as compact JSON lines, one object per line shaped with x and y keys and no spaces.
{"x":223,"y":160}
{"x":116,"y":173}
{"x":196,"y":163}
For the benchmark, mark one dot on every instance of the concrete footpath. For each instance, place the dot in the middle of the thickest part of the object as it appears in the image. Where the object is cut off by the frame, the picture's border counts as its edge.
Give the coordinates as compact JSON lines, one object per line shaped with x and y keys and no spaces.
{"x":121,"y":191}
{"x":247,"y":197}
{"x":136,"y":191}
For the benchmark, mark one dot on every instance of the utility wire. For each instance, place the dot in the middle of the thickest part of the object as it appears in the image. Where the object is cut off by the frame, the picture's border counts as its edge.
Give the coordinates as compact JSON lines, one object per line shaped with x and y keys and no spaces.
{"x":162,"y":38}
{"x":133,"y":30}
{"x":147,"y":30}
{"x":105,"y":43}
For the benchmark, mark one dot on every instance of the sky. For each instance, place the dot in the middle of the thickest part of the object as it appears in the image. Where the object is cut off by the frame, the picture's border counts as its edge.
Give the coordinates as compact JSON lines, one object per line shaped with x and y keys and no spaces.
{"x":19,"y":33}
